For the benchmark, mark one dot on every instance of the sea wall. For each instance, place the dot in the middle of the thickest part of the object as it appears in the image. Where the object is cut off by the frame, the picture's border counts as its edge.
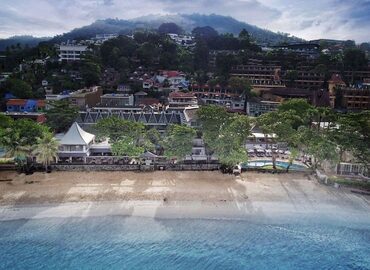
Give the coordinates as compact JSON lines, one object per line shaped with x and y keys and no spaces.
{"x":135,"y":167}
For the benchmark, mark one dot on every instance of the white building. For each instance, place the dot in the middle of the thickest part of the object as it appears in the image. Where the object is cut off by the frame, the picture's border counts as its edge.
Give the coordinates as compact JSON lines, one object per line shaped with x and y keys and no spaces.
{"x":71,"y":52}
{"x":117,"y":100}
{"x":75,"y":144}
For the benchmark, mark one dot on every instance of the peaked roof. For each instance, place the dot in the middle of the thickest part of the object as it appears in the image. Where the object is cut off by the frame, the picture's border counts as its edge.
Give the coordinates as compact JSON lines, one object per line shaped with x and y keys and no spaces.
{"x":76,"y":136}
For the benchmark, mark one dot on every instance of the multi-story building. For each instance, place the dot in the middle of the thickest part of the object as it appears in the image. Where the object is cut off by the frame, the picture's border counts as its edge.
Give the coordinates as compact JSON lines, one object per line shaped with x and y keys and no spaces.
{"x":260,"y":76}
{"x":71,"y":52}
{"x":116,"y":100}
{"x":352,"y":98}
{"x":305,"y":79}
{"x":180,"y":100}
{"x":25,"y":105}
{"x":86,"y":98}
{"x":256,"y":108}
{"x":218,"y":96}
{"x":55,"y":97}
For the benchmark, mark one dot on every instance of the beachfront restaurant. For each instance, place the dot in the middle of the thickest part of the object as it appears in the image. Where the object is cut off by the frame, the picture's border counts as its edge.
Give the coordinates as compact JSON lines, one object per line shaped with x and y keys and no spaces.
{"x":75,"y":145}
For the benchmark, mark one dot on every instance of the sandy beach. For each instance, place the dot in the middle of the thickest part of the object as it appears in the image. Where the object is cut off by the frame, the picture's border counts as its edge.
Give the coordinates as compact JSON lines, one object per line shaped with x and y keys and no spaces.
{"x":176,"y":195}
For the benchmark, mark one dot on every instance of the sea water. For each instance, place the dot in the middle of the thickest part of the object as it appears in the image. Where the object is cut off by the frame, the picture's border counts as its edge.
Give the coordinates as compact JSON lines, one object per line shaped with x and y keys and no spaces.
{"x":117,"y":242}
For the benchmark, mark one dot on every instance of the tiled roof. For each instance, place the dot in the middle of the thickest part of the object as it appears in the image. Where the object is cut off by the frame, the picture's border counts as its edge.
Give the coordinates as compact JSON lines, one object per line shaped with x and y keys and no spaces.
{"x":181,"y":95}
{"x":16,"y":102}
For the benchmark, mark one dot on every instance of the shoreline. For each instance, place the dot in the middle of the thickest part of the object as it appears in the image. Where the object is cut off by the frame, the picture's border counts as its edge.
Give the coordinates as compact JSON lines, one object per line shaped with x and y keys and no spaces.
{"x":199,"y":195}
{"x":260,"y":212}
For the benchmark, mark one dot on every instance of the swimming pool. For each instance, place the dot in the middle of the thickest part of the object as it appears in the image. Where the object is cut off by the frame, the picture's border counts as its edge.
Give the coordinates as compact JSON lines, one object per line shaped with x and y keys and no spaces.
{"x":281,"y":164}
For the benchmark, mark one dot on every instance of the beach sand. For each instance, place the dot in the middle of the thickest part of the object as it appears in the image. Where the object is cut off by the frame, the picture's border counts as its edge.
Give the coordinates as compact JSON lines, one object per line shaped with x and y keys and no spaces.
{"x":176,"y":195}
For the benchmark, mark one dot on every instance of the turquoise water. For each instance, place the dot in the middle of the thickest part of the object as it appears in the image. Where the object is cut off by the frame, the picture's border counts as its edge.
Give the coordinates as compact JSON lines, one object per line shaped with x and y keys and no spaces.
{"x":143,"y":243}
{"x":282,"y":164}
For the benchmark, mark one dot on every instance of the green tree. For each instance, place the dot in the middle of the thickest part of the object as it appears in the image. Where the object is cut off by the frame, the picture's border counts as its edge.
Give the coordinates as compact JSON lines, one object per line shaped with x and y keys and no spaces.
{"x":61,"y":115}
{"x":224,"y":133}
{"x":126,"y":146}
{"x":46,"y":149}
{"x":116,"y":128}
{"x":178,"y":141}
{"x":240,"y":85}
{"x":354,"y":59}
{"x":230,"y":144}
{"x":18,"y":88}
{"x":353,"y":135}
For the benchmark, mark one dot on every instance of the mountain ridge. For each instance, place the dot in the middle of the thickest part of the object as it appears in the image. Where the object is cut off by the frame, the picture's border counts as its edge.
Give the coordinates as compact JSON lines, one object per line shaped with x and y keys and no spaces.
{"x":222,"y":24}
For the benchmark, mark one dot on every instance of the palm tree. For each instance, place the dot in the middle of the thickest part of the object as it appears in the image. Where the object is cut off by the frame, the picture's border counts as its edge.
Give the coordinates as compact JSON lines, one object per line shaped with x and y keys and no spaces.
{"x":15,"y":147}
{"x":293,"y":154}
{"x":46,"y":149}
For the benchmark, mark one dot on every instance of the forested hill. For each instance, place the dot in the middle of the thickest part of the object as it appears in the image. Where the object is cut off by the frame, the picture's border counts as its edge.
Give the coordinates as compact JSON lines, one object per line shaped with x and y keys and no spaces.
{"x":222,"y":24}
{"x":21,"y":41}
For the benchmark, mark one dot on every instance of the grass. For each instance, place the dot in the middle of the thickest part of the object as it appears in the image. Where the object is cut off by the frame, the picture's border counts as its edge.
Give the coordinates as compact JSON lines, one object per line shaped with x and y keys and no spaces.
{"x":351,"y":183}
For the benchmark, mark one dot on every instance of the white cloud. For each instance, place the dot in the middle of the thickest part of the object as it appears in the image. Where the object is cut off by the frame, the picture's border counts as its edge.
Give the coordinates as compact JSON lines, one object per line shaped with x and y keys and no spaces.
{"x":341,"y":19}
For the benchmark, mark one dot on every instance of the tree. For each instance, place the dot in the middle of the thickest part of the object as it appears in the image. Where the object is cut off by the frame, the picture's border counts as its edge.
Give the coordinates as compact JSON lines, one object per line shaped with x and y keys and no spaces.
{"x":354,"y":59}
{"x":205,"y":32}
{"x":61,"y":115}
{"x":240,"y":85}
{"x":46,"y":149}
{"x":230,"y":144}
{"x":116,"y":128}
{"x":178,"y":141}
{"x":224,"y":133}
{"x":294,"y":152}
{"x":126,"y":146}
{"x":211,"y":117}
{"x":170,"y":28}
{"x":18,"y":88}
{"x":353,"y":134}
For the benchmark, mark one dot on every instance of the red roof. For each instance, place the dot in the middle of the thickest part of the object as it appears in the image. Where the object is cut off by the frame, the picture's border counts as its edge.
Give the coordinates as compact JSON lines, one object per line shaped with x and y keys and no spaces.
{"x":41,"y":103}
{"x":181,"y":95}
{"x":22,"y":102}
{"x":172,"y":73}
{"x":16,"y":102}
{"x":149,"y":101}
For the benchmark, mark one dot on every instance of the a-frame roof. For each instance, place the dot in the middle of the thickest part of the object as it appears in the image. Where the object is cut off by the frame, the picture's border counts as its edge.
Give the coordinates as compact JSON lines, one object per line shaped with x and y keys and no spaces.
{"x":76,"y":136}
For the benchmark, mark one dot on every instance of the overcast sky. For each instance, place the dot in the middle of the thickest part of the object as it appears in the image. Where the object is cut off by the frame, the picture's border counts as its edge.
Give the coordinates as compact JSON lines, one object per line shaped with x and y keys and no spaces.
{"x":309,"y":19}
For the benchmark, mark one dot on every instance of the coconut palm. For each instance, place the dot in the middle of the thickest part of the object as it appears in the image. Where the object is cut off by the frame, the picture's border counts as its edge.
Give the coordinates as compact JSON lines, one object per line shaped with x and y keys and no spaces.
{"x":15,"y":146}
{"x":46,"y":149}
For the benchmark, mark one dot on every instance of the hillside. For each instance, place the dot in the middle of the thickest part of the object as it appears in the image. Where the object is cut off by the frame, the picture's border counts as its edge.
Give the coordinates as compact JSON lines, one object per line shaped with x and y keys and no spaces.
{"x":188,"y":22}
{"x":22,"y":40}
{"x":223,"y":24}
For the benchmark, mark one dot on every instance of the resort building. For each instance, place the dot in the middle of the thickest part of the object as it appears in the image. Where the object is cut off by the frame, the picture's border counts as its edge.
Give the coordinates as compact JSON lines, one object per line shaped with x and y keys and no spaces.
{"x":179,"y":100}
{"x":71,"y":52}
{"x":86,"y":98}
{"x":256,"y":108}
{"x":117,"y":100}
{"x":75,"y":144}
{"x":259,"y":74}
{"x":25,"y":105}
{"x":218,"y":96}
{"x":352,"y":98}
{"x":151,"y":118}
{"x":55,"y":97}
{"x":34,"y":116}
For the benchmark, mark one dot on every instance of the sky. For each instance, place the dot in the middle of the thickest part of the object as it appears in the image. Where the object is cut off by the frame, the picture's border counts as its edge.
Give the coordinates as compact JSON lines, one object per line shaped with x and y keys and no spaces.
{"x":308,"y":19}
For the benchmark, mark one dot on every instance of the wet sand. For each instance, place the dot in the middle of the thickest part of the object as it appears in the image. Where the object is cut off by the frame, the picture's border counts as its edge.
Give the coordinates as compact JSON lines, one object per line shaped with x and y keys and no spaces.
{"x":175,"y":195}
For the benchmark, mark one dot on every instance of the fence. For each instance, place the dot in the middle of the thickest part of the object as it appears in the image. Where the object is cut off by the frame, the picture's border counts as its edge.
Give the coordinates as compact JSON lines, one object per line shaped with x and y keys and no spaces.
{"x":353,"y":169}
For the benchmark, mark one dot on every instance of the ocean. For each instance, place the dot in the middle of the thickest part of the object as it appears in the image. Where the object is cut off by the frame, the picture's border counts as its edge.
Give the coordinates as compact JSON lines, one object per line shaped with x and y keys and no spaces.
{"x":118,"y":242}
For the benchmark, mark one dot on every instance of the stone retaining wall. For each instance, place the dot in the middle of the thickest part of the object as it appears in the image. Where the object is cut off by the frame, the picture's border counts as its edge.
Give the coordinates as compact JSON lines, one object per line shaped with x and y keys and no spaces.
{"x":86,"y":167}
{"x":171,"y":167}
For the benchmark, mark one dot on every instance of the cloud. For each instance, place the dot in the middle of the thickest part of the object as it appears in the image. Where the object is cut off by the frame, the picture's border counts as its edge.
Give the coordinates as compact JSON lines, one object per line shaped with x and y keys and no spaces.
{"x":341,"y":19}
